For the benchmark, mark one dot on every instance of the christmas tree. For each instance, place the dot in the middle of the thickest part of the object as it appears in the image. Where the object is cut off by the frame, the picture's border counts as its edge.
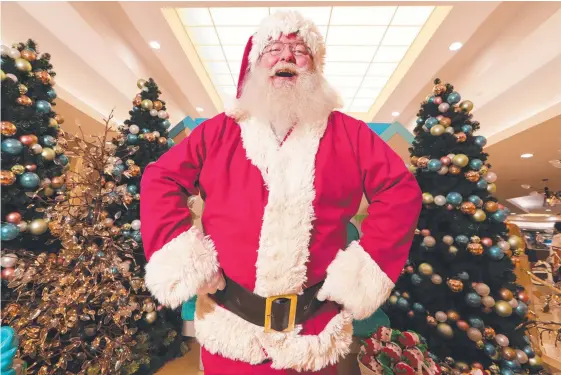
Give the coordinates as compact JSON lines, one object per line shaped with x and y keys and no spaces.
{"x":33,"y":160}
{"x":458,"y":288}
{"x":86,"y":310}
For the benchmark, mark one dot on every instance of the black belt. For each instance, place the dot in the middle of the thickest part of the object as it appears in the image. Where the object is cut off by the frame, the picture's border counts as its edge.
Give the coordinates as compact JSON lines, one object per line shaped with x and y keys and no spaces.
{"x":277,"y":313}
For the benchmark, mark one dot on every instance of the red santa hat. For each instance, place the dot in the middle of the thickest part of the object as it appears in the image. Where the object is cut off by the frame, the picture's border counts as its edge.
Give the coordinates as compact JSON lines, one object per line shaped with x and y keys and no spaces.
{"x":282,"y":23}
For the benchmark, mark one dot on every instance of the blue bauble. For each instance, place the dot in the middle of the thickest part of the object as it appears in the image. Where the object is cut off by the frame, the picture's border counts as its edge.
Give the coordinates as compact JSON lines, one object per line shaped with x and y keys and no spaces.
{"x":416,"y":279}
{"x":476,"y":322}
{"x":145,"y":130}
{"x":475,"y":200}
{"x":499,"y":216}
{"x":521,"y":309}
{"x":495,"y":252}
{"x":48,"y":140}
{"x":475,"y":164}
{"x":434,"y":165}
{"x":506,"y":371}
{"x":467,"y":129}
{"x":418,"y":308}
{"x":166,"y":124}
{"x":453,"y":98}
{"x":133,"y":189}
{"x":513,"y":365}
{"x":118,"y":169}
{"x":463,"y":276}
{"x":51,"y":94}
{"x":403,"y":304}
{"x":529,"y":351}
{"x":43,"y":106}
{"x":29,"y":180}
{"x":126,"y":233}
{"x":12,"y":146}
{"x":136,"y":236}
{"x":132,"y":139}
{"x":100,"y":253}
{"x":420,"y":121}
{"x":431,"y":121}
{"x":114,"y":270}
{"x":63,"y":160}
{"x":135,"y":109}
{"x":473,"y":299}
{"x":454,"y":198}
{"x":489,"y":349}
{"x":9,"y":231}
{"x":431,"y":99}
{"x":480,"y":140}
{"x":171,"y":143}
{"x":461,"y":239}
{"x":482,"y":184}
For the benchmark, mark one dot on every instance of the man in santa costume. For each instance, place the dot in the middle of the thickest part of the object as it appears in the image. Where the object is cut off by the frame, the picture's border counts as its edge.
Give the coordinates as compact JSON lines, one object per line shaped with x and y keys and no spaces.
{"x":281,"y":174}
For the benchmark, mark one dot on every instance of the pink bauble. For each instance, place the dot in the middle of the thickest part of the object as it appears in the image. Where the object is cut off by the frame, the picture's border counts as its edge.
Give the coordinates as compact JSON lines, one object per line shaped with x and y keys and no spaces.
{"x":513,"y":302}
{"x":501,"y":207}
{"x":451,"y":156}
{"x":443,"y":170}
{"x":441,"y":316}
{"x":474,"y":334}
{"x":488,"y":301}
{"x":425,"y":232}
{"x":437,"y":100}
{"x":445,"y":160}
{"x":482,"y":289}
{"x":504,"y":245}
{"x":501,"y":339}
{"x":487,"y":242}
{"x":450,"y":207}
{"x":490,"y":177}
{"x":439,"y":117}
{"x":444,"y":107}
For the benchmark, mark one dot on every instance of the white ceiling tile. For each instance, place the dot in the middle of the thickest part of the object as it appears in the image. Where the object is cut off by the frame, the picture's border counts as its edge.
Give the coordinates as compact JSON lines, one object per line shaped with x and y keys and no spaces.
{"x":235,"y":67}
{"x":222,"y":79}
{"x":217,"y":67}
{"x":390,"y":54}
{"x":367,"y":93}
{"x":238,"y":16}
{"x":381,"y":69}
{"x":233,"y":52}
{"x":323,"y":31}
{"x":355,"y":35}
{"x":374,"y":82}
{"x":373,"y":15}
{"x":195,"y":16}
{"x":363,"y":102}
{"x":350,"y":53}
{"x":347,"y":92}
{"x":318,"y":15}
{"x":344,"y":81}
{"x":412,"y":15}
{"x":400,"y":35}
{"x":235,"y":35}
{"x":213,"y":53}
{"x":203,"y":35}
{"x":359,"y":108}
{"x":227,"y":90}
{"x":346,"y":68}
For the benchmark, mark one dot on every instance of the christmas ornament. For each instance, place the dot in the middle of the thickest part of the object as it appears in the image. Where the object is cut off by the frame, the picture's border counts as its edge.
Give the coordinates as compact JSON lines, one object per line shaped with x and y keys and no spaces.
{"x":147,"y":104}
{"x":51,"y":93}
{"x":13,"y":217}
{"x":467,"y":129}
{"x":425,"y":269}
{"x":468,"y":208}
{"x":462,"y":239}
{"x":7,"y":178}
{"x":452,"y":250}
{"x":163,"y":115}
{"x":153,"y":112}
{"x":466,"y":106}
{"x":482,"y":184}
{"x":474,"y":334}
{"x":442,"y":171}
{"x":454,"y":198}
{"x":171,"y":143}
{"x":445,"y":331}
{"x":8,"y":260}
{"x":29,"y":180}
{"x":453,"y":98}
{"x":429,"y":241}
{"x":479,"y":215}
{"x":422,"y":162}
{"x":132,"y":139}
{"x":141,"y":83}
{"x":43,"y":106}
{"x":501,"y":340}
{"x":495,"y":253}
{"x":443,"y":107}
{"x":460,"y":137}
{"x":24,"y":100}
{"x":7,"y":273}
{"x":460,"y":160}
{"x":48,"y":153}
{"x":158,"y":105}
{"x":445,"y":122}
{"x":503,"y":245}
{"x":441,"y":316}
{"x":28,"y":54}
{"x":440,"y":200}
{"x":416,"y":279}
{"x":434,"y":165}
{"x":436,"y":279}
{"x":499,"y":216}
{"x":12,"y":146}
{"x":505,"y":294}
{"x":523,"y":296}
{"x":454,"y":170}
{"x":134,"y":129}
{"x":491,"y":206}
{"x":482,"y":289}
{"x":473,"y":300}
{"x":22,"y":89}
{"x":503,"y":309}
{"x":488,"y":301}
{"x":23,"y":65}
{"x":134,"y":170}
{"x":8,"y":128}
{"x":455,"y":285}
{"x":57,"y":182}
{"x":448,"y":240}
{"x":38,"y":227}
{"x":48,"y":140}
{"x":427,"y":198}
{"x":439,"y":89}
{"x":476,"y":322}
{"x":522,"y":309}
{"x":63,"y":160}
{"x":475,"y":248}
{"x":480,"y":141}
{"x":515,"y":242}
{"x":8,"y":231}
{"x":431,"y":321}
{"x":472,"y":176}
{"x":521,"y":357}
{"x":491,"y":188}
{"x":166,"y":123}
{"x":59,"y":119}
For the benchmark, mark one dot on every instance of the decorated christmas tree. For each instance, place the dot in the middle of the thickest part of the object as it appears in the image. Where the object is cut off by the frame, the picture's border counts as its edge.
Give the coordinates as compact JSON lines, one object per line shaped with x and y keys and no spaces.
{"x":458,"y":288}
{"x":33,"y":160}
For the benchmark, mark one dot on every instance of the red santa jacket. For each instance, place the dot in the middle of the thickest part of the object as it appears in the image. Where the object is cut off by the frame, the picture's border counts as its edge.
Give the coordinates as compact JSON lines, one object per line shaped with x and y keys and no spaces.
{"x":274,"y":221}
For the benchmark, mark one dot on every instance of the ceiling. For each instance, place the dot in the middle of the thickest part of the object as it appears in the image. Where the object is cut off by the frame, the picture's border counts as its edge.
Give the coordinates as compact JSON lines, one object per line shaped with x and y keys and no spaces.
{"x":508,"y":65}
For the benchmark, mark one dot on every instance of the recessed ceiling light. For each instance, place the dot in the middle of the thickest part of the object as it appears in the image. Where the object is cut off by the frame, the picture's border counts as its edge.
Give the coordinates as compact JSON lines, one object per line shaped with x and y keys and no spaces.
{"x":154,"y":44}
{"x":526,"y":156}
{"x":548,"y":210}
{"x":455,"y":46}
{"x":199,"y":109}
{"x":525,"y":186}
{"x":395,"y":114}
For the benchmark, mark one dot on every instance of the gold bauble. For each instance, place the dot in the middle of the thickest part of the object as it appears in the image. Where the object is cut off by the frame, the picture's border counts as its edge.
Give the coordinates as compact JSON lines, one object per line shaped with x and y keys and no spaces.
{"x":22,"y":65}
{"x":52,"y":122}
{"x":425,"y":269}
{"x":147,"y":104}
{"x":158,"y":105}
{"x":134,"y":170}
{"x":48,"y":191}
{"x":427,"y":198}
{"x":466,"y":106}
{"x":18,"y":169}
{"x":515,"y":242}
{"x":506,"y":294}
{"x":127,"y":226}
{"x":491,"y":206}
{"x":483,"y":171}
{"x":503,"y":309}
{"x":22,"y":89}
{"x":479,"y":215}
{"x":480,"y":344}
{"x":536,"y":361}
{"x":162,"y":141}
{"x":7,"y":178}
{"x":437,"y":130}
{"x":460,"y":160}
{"x":475,"y":248}
{"x":2,"y":75}
{"x":468,"y":208}
{"x":29,"y":55}
{"x":141,"y":83}
{"x":58,"y":149}
{"x":453,"y":315}
{"x":445,"y":330}
{"x":57,"y":182}
{"x":491,"y":188}
{"x":59,"y":119}
{"x":48,"y":153}
{"x":8,"y":128}
{"x":439,"y":89}
{"x":38,"y":227}
{"x":151,"y":317}
{"x":414,"y":160}
{"x":472,"y":176}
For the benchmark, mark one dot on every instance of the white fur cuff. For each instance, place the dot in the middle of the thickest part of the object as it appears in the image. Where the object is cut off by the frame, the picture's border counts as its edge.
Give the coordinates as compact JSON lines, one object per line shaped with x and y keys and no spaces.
{"x":176,"y":271}
{"x":355,"y":281}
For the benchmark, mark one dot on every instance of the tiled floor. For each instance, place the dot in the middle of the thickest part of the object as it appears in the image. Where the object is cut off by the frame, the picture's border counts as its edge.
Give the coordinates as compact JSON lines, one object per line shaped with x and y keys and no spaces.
{"x":186,"y":365}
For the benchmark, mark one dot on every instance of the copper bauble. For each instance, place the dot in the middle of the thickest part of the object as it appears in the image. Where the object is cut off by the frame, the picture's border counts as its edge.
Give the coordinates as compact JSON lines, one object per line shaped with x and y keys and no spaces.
{"x":134,"y":170}
{"x":431,"y":321}
{"x":453,"y":315}
{"x":468,"y":208}
{"x":57,"y":182}
{"x":24,"y":100}
{"x":13,"y":217}
{"x":110,"y":185}
{"x":150,"y":137}
{"x":405,"y":295}
{"x":8,"y":128}
{"x":445,"y":121}
{"x":158,"y":105}
{"x":454,"y":169}
{"x":489,"y":333}
{"x":475,"y":248}
{"x":422,"y":162}
{"x":115,"y":230}
{"x":491,"y":206}
{"x":127,"y":199}
{"x":7,"y":273}
{"x":137,"y":101}
{"x":460,"y":137}
{"x":508,"y":353}
{"x":506,"y":294}
{"x":472,"y":176}
{"x":43,"y":75}
{"x":28,"y":139}
{"x":414,"y":160}
{"x":455,"y":285}
{"x":7,"y":178}
{"x":28,"y":55}
{"x":523,"y":296}
{"x":59,"y":119}
{"x":439,"y":89}
{"x":162,"y":141}
{"x":462,"y":325}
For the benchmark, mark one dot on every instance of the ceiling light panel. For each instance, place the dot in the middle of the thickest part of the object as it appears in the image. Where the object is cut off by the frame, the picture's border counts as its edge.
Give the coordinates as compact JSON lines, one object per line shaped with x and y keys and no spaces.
{"x":365,"y":44}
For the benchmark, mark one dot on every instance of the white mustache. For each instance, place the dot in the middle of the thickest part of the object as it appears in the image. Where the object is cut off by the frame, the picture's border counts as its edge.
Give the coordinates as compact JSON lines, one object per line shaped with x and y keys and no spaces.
{"x":292,"y":68}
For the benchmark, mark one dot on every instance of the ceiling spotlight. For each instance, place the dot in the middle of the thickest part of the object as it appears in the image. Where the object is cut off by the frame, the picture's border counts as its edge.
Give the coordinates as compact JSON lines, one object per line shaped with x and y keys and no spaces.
{"x":548,"y":209}
{"x":526,"y":156}
{"x":455,"y":46}
{"x":199,"y":109}
{"x":525,"y":186}
{"x":154,"y":44}
{"x":395,"y":114}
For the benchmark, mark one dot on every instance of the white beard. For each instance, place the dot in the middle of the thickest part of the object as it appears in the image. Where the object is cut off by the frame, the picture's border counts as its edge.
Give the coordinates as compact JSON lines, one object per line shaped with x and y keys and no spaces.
{"x":309,"y":99}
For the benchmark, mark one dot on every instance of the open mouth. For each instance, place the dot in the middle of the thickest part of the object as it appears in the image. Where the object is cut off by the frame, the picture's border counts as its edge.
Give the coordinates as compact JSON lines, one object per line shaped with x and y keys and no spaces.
{"x":285,"y":73}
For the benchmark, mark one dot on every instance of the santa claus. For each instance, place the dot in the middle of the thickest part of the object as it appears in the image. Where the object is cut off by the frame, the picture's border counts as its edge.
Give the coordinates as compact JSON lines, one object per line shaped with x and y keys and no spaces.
{"x":281,"y":174}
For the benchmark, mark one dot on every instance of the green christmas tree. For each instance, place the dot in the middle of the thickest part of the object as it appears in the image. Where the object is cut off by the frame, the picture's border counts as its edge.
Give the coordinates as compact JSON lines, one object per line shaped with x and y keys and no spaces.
{"x":33,"y":160}
{"x":458,"y":289}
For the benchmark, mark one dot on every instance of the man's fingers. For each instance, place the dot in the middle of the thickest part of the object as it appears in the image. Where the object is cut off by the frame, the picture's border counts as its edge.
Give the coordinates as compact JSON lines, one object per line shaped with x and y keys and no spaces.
{"x":221,"y":284}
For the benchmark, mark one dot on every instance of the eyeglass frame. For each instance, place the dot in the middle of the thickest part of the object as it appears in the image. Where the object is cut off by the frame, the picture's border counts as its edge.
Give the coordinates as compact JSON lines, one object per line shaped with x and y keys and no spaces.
{"x":292,"y":46}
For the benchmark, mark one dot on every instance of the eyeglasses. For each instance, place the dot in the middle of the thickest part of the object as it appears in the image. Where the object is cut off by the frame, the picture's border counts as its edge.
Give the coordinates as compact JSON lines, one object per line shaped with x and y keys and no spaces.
{"x":297,"y":49}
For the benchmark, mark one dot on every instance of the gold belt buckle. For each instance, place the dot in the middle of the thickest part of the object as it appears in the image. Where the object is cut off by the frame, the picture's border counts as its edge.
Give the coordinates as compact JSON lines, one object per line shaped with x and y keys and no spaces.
{"x":293,"y":298}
